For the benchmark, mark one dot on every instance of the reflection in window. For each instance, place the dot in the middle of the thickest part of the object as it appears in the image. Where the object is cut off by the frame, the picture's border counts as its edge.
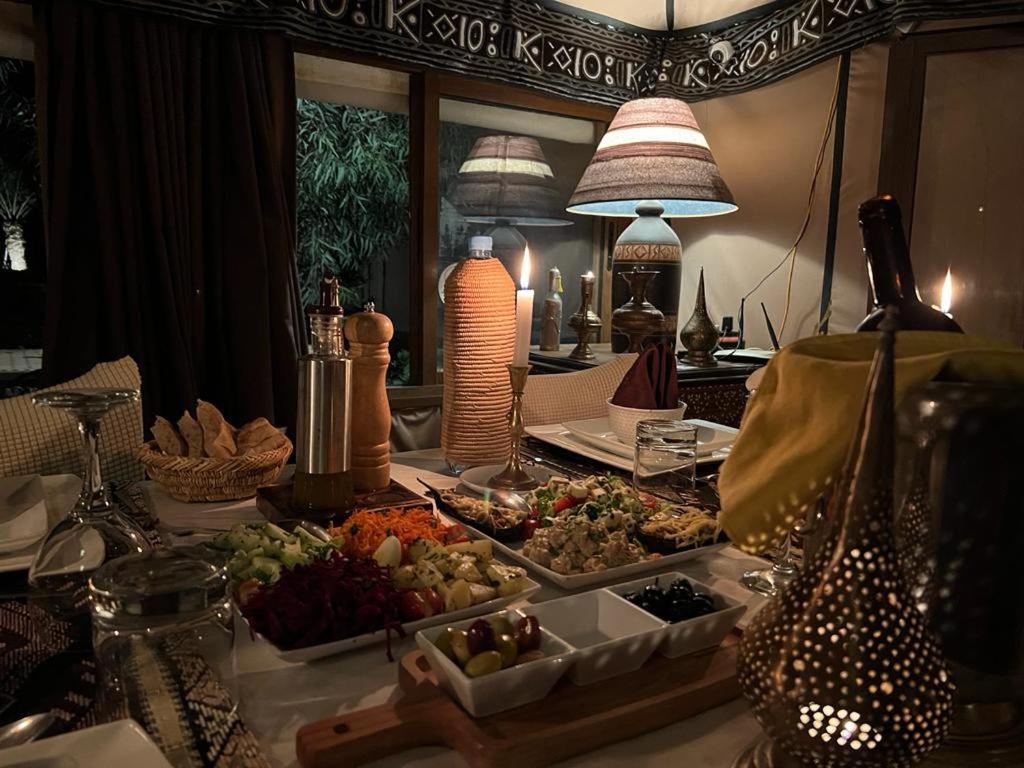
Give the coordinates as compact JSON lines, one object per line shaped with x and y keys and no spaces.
{"x":353,"y":204}
{"x":23,"y":256}
{"x":508,"y":173}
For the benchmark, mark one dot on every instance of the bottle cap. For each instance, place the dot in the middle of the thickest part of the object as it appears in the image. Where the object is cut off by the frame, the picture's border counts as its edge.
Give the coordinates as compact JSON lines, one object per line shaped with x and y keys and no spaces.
{"x":481,"y":243}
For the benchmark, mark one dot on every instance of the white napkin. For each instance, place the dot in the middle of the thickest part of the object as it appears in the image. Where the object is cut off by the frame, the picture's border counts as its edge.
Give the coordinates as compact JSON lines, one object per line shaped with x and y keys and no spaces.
{"x":22,"y":511}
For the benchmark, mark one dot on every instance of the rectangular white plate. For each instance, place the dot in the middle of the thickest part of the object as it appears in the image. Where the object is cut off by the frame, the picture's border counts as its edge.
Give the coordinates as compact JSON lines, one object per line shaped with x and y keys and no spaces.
{"x":122,"y":742}
{"x":302,"y":655}
{"x":560,"y":437}
{"x":711,"y":437}
{"x":583,"y":580}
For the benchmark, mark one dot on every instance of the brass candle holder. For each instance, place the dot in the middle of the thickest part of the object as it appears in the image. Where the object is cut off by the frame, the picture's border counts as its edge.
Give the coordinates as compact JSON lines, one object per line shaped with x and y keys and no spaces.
{"x":513,"y":477}
{"x":585,"y":322}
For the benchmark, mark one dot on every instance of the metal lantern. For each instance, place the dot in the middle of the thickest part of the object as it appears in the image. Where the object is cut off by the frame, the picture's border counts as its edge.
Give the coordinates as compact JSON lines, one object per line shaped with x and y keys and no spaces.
{"x":841,"y":668}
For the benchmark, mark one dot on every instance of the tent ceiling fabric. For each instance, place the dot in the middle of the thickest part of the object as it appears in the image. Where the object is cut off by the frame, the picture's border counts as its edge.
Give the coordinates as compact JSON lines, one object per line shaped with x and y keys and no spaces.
{"x":584,"y":54}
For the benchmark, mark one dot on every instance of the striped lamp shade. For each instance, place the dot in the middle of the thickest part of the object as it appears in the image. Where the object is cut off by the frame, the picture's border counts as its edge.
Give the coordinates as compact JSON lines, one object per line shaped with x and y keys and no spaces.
{"x":507,"y":180}
{"x":653,"y":150}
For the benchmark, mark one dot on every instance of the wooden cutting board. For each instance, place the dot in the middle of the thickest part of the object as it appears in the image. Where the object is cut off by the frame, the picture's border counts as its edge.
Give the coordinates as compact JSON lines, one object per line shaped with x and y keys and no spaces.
{"x":570,"y":721}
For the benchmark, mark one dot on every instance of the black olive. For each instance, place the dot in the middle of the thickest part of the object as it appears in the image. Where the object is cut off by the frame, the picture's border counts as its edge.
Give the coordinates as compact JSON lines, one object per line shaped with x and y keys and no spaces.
{"x":682,"y":586}
{"x":631,"y":596}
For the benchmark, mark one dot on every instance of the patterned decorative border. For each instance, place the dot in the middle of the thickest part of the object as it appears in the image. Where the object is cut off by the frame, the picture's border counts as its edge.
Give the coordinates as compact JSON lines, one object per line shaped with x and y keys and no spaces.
{"x":525,"y":43}
{"x":630,"y":252}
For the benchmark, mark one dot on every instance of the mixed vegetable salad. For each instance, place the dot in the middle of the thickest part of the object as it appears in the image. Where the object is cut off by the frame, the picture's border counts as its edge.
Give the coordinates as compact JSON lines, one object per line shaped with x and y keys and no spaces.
{"x":599,"y":522}
{"x":377,"y":570}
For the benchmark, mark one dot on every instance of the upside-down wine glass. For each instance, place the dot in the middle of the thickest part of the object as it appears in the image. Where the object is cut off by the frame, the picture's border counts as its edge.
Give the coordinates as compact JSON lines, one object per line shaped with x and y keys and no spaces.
{"x":94,"y":531}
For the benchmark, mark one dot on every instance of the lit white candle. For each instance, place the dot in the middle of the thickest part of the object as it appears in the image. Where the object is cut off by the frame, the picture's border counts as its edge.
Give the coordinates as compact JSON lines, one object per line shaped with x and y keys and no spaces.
{"x":524,"y":314}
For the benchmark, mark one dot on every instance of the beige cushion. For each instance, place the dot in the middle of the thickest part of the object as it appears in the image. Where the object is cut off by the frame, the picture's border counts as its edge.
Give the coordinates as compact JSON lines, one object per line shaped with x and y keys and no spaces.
{"x":559,"y":397}
{"x":45,"y":441}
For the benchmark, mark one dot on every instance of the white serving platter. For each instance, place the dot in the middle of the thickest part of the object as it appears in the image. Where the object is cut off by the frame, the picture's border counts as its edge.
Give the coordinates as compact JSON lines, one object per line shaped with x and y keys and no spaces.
{"x":122,"y":742}
{"x":711,"y":437}
{"x":585,"y":580}
{"x":313,"y":652}
{"x":560,"y":437}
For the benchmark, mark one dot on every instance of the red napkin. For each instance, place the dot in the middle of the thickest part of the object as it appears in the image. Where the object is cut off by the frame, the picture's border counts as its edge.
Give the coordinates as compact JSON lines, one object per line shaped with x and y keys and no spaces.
{"x":652,"y":383}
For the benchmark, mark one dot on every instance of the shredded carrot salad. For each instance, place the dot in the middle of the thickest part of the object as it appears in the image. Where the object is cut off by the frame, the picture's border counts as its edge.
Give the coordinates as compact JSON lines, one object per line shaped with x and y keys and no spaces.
{"x":365,"y":530}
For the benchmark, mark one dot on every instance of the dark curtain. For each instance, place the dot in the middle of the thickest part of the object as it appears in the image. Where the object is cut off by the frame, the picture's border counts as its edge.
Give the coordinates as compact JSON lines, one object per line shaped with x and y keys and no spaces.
{"x":168,"y":162}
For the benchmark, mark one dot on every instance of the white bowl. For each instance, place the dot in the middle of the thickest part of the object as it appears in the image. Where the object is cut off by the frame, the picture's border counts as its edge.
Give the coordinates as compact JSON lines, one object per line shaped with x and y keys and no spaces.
{"x":610,"y":636}
{"x":623,"y":420}
{"x":506,"y":689}
{"x":691,"y":635}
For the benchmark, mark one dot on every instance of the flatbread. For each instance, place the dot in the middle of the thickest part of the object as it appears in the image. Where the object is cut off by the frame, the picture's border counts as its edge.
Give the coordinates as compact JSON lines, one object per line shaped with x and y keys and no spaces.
{"x":259,"y":435}
{"x":218,"y":434}
{"x":193,"y":434}
{"x":168,"y":438}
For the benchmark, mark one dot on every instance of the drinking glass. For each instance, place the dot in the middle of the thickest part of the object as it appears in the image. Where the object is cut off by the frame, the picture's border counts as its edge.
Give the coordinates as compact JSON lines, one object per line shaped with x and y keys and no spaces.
{"x":94,"y":531}
{"x":665,"y":458}
{"x":163,"y":633}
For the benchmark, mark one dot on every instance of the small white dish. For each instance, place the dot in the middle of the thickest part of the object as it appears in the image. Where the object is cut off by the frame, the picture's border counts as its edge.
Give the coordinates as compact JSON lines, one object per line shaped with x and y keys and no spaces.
{"x":691,"y":635}
{"x":506,"y":689}
{"x":622,"y":421}
{"x":711,"y":437}
{"x":610,"y":636}
{"x":122,"y":742}
{"x":478,"y":479}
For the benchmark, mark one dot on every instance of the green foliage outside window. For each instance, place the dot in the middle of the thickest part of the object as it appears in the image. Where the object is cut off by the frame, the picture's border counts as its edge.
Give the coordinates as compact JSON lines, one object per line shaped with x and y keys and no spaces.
{"x":353,"y":193}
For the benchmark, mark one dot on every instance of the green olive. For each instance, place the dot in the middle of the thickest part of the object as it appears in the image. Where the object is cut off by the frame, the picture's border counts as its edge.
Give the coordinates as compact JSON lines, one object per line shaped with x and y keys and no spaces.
{"x":483,"y":664}
{"x":460,"y":645}
{"x":526,"y":658}
{"x":506,"y":646}
{"x":444,"y":643}
{"x":501,"y":626}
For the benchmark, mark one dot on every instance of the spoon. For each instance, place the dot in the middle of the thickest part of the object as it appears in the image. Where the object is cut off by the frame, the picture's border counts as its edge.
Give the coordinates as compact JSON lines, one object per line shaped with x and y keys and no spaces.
{"x":26,"y":729}
{"x":314,"y":529}
{"x":500,"y":497}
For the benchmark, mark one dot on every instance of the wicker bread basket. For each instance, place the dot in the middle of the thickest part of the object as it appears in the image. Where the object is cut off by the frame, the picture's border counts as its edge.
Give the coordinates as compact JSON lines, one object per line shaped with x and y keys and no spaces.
{"x":213,"y":479}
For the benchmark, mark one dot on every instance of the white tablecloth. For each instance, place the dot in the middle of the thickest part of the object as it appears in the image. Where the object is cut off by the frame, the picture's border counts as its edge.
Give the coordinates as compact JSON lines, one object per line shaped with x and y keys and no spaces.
{"x":277,"y":698}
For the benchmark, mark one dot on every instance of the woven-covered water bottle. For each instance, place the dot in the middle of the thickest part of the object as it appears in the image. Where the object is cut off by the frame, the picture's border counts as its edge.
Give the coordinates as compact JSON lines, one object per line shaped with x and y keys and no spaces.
{"x":479,"y":335}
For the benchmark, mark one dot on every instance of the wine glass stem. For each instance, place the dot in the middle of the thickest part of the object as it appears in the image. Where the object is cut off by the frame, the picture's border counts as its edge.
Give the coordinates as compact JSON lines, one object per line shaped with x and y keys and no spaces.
{"x":784,"y":562}
{"x":92,"y":480}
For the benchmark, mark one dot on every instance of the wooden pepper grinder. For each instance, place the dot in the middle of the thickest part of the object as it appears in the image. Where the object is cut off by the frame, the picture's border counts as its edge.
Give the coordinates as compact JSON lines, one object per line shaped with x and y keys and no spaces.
{"x":368,"y":334}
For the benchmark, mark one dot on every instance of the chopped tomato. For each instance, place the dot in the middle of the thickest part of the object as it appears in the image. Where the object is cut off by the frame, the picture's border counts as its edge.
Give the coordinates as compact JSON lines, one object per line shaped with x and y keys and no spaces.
{"x":565,"y":503}
{"x":530,"y":526}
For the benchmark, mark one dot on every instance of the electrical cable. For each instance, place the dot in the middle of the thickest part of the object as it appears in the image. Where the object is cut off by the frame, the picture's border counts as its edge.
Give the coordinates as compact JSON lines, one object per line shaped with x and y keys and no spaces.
{"x":791,"y":253}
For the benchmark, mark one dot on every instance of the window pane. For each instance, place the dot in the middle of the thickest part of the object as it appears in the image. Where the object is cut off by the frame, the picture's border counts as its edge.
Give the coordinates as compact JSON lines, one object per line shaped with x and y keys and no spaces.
{"x":969,"y":198}
{"x":525,"y":212}
{"x":23,"y":255}
{"x":353,"y":192}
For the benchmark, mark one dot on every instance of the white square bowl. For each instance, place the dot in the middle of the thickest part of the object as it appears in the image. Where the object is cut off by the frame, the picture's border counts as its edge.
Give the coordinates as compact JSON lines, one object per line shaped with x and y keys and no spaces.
{"x":691,"y":635}
{"x":506,"y":689}
{"x":610,"y":636}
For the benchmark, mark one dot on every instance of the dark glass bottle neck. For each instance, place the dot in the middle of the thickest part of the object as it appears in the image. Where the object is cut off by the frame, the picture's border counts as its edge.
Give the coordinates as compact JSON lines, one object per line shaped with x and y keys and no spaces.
{"x":889,"y":267}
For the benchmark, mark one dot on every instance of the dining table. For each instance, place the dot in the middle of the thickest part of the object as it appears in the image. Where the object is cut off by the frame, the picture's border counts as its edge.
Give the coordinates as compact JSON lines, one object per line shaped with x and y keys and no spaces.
{"x":277,"y":698}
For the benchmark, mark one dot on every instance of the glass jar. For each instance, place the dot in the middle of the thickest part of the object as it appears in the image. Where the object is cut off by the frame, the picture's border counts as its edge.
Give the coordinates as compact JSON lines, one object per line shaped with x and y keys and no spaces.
{"x":665,"y":458}
{"x":163,"y":633}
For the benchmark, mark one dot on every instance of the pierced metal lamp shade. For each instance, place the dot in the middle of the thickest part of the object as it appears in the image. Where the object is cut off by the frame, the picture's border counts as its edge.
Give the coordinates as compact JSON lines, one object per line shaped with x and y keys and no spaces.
{"x":507,"y":180}
{"x":841,"y":669}
{"x":653,"y":150}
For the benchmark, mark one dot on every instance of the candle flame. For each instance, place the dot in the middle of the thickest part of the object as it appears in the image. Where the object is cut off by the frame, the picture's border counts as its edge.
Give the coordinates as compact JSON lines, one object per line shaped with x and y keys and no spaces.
{"x":946,"y":302}
{"x":524,"y":271}
{"x":589,"y":275}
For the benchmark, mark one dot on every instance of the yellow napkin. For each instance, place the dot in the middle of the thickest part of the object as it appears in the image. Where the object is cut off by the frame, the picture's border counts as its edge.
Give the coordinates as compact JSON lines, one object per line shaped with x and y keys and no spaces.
{"x":799,"y":424}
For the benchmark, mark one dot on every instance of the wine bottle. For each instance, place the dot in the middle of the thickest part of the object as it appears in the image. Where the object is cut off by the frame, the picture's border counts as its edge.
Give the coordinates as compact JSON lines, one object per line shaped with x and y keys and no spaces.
{"x":891,"y":273}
